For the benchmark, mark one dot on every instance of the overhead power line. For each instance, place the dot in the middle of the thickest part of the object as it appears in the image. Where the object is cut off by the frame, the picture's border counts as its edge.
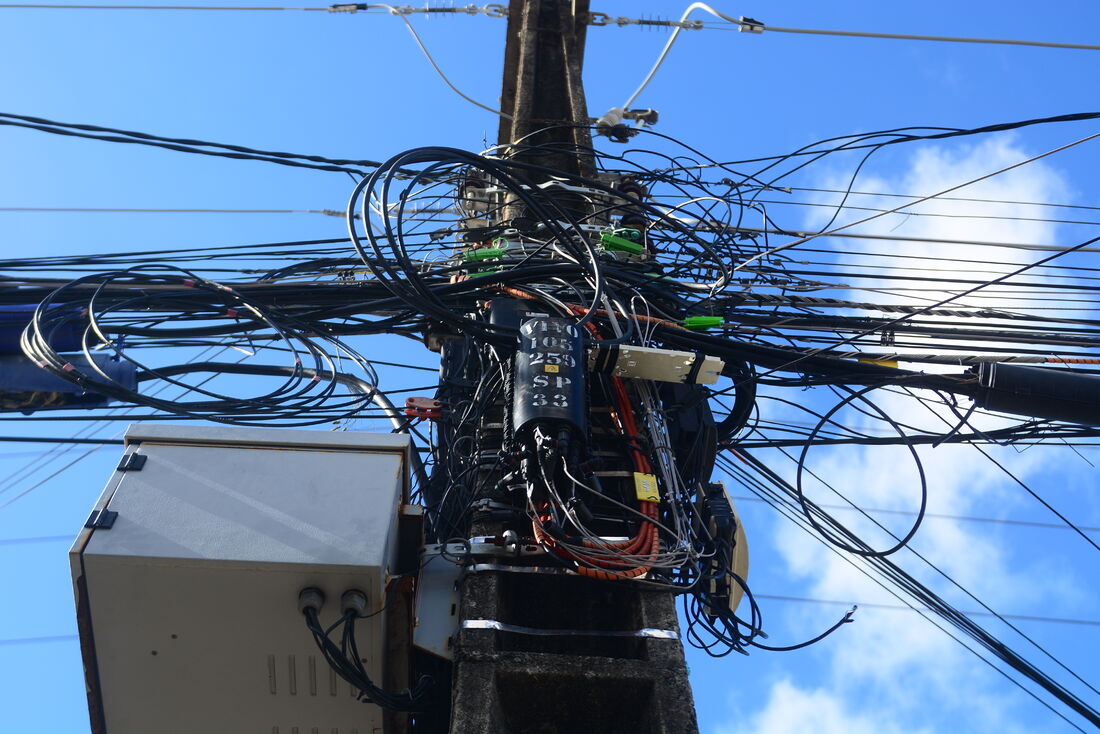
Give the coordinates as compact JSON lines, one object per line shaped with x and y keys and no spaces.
{"x":929,"y":197}
{"x":37,"y":539}
{"x":148,"y":7}
{"x":788,"y":189}
{"x":115,"y":210}
{"x":966,"y":518}
{"x":60,"y":439}
{"x":37,"y":640}
{"x":903,"y":608}
{"x":917,"y":596}
{"x":187,"y":145}
{"x":402,"y":12}
{"x":492,"y":10}
{"x":914,"y":238}
{"x":336,"y":213}
{"x":748,"y":25}
{"x":943,"y":215}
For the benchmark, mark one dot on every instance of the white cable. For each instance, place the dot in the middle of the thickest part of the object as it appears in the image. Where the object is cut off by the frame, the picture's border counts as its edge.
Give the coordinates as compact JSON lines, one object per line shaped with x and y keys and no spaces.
{"x":752,"y":26}
{"x":668,"y":46}
{"x":420,"y":43}
{"x":756,"y":27}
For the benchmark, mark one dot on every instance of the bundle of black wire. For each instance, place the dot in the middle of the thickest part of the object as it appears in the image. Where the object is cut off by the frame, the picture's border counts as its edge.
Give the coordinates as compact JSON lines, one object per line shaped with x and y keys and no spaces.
{"x":149,"y":313}
{"x":347,"y":662}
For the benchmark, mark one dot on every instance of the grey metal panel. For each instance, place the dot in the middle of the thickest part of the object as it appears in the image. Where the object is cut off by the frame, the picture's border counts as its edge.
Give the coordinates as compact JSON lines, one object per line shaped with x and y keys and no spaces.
{"x":200,"y":650}
{"x":437,"y":602}
{"x":183,"y":433}
{"x":255,"y":504}
{"x":192,"y":594}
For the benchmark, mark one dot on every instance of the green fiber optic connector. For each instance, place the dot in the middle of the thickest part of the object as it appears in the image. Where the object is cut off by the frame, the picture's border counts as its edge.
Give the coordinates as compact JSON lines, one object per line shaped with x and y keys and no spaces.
{"x":702,"y":323}
{"x":486,"y":253}
{"x":611,"y":242}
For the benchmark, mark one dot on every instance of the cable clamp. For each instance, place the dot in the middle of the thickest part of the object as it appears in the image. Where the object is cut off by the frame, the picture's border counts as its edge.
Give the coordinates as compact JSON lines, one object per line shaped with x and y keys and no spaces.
{"x":602,"y":19}
{"x":749,"y":25}
{"x":487,"y":546}
{"x":696,"y":366}
{"x":428,"y":408}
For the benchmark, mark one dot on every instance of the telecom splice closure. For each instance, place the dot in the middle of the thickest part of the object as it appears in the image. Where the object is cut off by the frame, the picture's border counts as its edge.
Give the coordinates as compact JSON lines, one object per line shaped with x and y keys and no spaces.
{"x":549,"y":381}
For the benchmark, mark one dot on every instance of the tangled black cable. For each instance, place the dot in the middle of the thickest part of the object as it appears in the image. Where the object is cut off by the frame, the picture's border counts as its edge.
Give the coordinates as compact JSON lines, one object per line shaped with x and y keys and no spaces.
{"x":346,"y":661}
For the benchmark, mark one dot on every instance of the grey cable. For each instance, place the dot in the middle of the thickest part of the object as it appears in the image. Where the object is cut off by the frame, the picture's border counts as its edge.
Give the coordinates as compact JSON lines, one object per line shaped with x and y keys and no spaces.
{"x":966,"y":518}
{"x":899,"y":607}
{"x":789,"y":189}
{"x":754,"y":26}
{"x":148,"y":7}
{"x":760,"y":27}
{"x":113,"y":210}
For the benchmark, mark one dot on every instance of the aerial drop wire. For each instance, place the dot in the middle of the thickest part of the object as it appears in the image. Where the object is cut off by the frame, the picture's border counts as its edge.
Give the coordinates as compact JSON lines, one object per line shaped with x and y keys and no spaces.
{"x":187,"y":145}
{"x":937,"y":604}
{"x":753,"y":26}
{"x":906,"y":205}
{"x":865,"y":551}
{"x":734,"y":471}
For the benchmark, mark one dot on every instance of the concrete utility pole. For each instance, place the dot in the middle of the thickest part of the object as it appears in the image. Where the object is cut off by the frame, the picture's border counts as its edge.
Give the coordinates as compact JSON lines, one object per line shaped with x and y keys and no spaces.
{"x":551,"y":652}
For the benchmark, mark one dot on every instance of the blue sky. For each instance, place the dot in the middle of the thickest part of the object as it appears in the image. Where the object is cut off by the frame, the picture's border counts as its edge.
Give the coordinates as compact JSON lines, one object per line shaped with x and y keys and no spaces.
{"x":356,"y":86}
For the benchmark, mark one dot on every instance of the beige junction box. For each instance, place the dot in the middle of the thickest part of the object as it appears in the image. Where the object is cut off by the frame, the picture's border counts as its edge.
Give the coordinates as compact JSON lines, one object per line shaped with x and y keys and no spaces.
{"x":188,"y":572}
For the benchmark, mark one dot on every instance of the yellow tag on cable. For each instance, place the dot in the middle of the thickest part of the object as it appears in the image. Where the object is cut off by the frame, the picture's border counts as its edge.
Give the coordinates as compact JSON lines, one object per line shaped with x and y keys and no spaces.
{"x":881,"y":362}
{"x":645,"y":487}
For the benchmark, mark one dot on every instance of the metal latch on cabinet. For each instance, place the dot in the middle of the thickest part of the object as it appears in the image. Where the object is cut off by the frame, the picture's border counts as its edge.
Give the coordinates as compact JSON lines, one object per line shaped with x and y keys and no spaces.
{"x":132,"y":462}
{"x":101,"y":519}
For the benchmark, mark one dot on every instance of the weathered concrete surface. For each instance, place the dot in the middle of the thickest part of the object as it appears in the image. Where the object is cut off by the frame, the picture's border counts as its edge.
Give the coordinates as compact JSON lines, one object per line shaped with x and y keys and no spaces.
{"x":509,"y":683}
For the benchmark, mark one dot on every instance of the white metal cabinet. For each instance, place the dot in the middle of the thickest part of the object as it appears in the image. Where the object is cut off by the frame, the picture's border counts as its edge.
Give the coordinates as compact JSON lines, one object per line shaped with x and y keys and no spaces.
{"x":188,"y":600}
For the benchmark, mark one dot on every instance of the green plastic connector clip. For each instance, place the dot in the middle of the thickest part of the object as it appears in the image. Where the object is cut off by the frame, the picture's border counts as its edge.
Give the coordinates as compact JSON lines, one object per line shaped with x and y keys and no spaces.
{"x":703,"y":323}
{"x":611,"y":242}
{"x":629,"y":233}
{"x":485,"y":253}
{"x":487,"y":271}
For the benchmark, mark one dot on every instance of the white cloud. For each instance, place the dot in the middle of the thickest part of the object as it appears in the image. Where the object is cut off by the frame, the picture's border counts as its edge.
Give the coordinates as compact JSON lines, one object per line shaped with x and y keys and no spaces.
{"x":793,"y":710}
{"x":887,"y":666}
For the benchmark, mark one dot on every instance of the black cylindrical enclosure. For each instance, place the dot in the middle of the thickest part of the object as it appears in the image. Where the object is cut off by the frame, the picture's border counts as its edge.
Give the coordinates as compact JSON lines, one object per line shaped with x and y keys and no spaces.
{"x":549,"y":378}
{"x":1042,"y":392}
